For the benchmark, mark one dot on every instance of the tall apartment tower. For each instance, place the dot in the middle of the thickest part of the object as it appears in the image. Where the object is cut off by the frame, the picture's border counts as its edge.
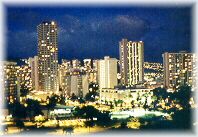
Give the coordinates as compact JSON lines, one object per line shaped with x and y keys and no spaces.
{"x":131,"y":62}
{"x":48,"y":56}
{"x":107,"y":72}
{"x":9,"y":82}
{"x":33,"y":63}
{"x":179,"y":69}
{"x":123,"y":49}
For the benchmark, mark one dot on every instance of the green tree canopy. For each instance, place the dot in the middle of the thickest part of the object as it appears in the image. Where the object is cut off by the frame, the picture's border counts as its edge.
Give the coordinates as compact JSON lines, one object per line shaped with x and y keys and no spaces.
{"x":23,"y":91}
{"x":183,"y":96}
{"x":33,"y":108}
{"x":91,"y":96}
{"x":160,"y":93}
{"x":18,"y":110}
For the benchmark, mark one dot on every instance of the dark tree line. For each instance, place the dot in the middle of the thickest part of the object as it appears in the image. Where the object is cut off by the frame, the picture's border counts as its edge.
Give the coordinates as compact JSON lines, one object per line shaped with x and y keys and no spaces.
{"x":21,"y":112}
{"x":90,"y":112}
{"x":181,"y":117}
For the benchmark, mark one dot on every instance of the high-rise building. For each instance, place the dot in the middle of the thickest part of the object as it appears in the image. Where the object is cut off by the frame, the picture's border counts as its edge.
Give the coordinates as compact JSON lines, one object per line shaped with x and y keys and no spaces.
{"x":64,"y":72}
{"x":131,"y":62}
{"x":76,"y":64}
{"x":123,"y":49}
{"x":90,"y":67}
{"x":87,"y":64}
{"x":48,"y":56}
{"x":33,"y":63}
{"x":85,"y":84}
{"x":66,"y":64}
{"x":66,"y":84}
{"x":107,"y":72}
{"x":24,"y":76}
{"x":76,"y":86}
{"x":178,"y":69}
{"x":153,"y":75}
{"x":94,"y":75}
{"x":9,"y":81}
{"x":79,"y":85}
{"x":95,"y":65}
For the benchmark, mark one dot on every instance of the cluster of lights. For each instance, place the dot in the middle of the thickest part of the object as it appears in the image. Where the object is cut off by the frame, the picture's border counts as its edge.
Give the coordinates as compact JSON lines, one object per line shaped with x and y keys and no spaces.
{"x":153,"y":65}
{"x":74,"y":68}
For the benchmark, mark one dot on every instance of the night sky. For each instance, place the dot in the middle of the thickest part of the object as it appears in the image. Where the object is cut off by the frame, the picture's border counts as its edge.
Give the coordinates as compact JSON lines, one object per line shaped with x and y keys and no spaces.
{"x":94,"y":32}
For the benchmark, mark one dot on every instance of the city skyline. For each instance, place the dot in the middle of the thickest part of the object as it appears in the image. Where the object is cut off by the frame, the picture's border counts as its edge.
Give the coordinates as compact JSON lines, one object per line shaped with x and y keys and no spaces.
{"x":93,"y":70}
{"x":80,"y":29}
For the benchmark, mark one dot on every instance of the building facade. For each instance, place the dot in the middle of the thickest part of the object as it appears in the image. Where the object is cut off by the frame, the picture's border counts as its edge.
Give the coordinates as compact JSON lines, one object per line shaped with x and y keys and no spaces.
{"x":107,"y":72}
{"x":9,"y":82}
{"x":79,"y":85}
{"x":131,"y":62}
{"x":179,"y":69}
{"x":128,"y":96}
{"x":64,"y":71}
{"x":66,"y":85}
{"x":48,"y":56}
{"x":153,"y":75}
{"x":24,"y":76}
{"x":123,"y":51}
{"x":76,"y":64}
{"x":33,"y":63}
{"x":87,"y":65}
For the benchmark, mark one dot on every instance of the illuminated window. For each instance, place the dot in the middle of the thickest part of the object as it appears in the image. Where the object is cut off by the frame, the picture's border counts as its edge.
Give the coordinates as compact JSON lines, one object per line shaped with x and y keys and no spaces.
{"x":53,"y":23}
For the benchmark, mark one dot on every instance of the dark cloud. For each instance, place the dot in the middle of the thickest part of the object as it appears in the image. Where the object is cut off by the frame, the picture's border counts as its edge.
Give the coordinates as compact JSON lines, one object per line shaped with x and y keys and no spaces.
{"x":23,"y":20}
{"x":123,"y":26}
{"x":95,"y":33}
{"x":94,"y":37}
{"x":21,"y":43}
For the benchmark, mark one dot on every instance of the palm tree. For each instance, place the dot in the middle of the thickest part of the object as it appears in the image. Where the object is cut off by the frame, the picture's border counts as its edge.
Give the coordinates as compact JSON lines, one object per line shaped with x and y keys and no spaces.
{"x":18,"y":111}
{"x":33,"y":108}
{"x":23,"y":90}
{"x":183,"y":96}
{"x":62,"y":99}
{"x":51,"y":102}
{"x":91,"y":96}
{"x":116,"y":103}
{"x":73,"y":97}
{"x":19,"y":124}
{"x":68,"y":129}
{"x":89,"y":124}
{"x":132,"y":104}
{"x":111,"y":105}
{"x":160,"y":93}
{"x":145,"y":106}
{"x":123,"y":125}
{"x":120,"y":102}
{"x":81,"y":100}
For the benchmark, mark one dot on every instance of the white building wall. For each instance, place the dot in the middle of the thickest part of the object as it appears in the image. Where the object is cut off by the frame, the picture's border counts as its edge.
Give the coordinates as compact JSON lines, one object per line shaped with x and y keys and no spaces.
{"x":107,"y":73}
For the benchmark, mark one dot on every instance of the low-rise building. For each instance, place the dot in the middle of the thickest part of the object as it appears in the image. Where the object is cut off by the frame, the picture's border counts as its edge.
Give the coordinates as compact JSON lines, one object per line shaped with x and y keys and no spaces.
{"x":127,"y":96}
